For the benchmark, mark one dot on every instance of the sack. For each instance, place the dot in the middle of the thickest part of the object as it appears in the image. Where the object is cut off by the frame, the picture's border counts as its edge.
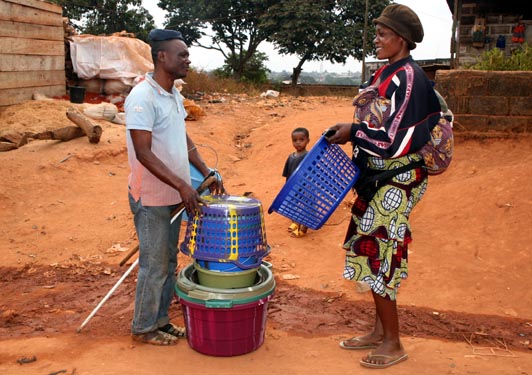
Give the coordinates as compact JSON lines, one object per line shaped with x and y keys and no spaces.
{"x":438,"y":152}
{"x":374,"y":110}
{"x":371,"y":108}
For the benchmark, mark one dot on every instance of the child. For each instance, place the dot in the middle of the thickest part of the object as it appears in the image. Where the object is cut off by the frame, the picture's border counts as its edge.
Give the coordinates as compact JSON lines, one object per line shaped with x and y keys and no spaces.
{"x":300,"y":140}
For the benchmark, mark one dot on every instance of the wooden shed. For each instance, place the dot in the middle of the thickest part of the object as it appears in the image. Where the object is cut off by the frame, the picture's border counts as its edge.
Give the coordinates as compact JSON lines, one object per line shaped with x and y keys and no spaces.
{"x":32,"y":50}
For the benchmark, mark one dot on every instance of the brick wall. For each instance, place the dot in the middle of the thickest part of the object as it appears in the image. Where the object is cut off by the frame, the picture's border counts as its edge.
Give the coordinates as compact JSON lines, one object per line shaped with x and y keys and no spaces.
{"x":488,"y":100}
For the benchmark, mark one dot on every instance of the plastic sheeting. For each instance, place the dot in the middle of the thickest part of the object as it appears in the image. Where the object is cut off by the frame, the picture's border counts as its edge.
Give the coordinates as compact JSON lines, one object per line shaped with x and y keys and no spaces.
{"x":110,"y":57}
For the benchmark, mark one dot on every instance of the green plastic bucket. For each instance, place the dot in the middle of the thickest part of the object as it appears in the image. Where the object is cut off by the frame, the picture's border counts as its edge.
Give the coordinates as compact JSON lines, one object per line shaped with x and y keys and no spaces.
{"x":225,"y":322}
{"x":188,"y":287}
{"x":225,"y":280}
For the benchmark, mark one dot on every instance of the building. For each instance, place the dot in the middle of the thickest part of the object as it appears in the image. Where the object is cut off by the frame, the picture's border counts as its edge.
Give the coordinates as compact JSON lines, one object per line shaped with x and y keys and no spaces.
{"x":429,"y":66}
{"x":479,"y":26}
{"x":32,"y":50}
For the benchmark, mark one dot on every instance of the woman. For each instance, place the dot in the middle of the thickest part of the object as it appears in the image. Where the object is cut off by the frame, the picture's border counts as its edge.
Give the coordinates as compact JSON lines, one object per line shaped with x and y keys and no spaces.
{"x":379,"y":232}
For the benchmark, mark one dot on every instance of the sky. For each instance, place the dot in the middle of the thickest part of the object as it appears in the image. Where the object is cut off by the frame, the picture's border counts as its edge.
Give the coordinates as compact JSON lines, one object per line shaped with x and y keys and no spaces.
{"x":435,"y":17}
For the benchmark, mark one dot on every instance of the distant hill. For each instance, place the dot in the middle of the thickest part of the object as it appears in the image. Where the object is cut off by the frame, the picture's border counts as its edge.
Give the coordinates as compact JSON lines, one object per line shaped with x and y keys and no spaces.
{"x":320,"y":78}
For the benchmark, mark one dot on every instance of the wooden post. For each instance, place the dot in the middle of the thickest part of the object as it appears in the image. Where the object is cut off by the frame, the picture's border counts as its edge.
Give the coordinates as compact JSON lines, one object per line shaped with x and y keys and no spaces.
{"x":62,"y":134}
{"x":364,"y":44}
{"x":94,"y":132}
{"x":11,"y":141}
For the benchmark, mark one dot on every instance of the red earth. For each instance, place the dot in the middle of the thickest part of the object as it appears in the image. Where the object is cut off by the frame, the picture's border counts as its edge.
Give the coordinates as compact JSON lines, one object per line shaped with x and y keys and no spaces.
{"x":66,"y":225}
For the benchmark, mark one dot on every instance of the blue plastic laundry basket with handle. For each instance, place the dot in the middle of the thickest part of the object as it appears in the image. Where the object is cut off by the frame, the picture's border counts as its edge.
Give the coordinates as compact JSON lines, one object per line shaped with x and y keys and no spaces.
{"x":317,"y":186}
{"x":228,"y":229}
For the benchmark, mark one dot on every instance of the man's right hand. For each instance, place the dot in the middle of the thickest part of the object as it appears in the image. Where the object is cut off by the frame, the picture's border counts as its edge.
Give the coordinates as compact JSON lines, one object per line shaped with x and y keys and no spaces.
{"x":191,"y":199}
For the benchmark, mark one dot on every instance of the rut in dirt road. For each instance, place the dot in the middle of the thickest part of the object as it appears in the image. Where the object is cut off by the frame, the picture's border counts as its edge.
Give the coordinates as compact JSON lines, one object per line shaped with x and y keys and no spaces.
{"x":307,"y":312}
{"x":41,"y":300}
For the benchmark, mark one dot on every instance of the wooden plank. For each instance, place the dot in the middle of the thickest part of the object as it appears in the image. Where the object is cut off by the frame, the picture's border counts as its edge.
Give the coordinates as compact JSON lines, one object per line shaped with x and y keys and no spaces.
{"x":39,"y":4}
{"x":22,"y":46}
{"x":31,"y":31}
{"x":23,"y":63}
{"x":19,"y":13}
{"x":11,"y":80}
{"x":16,"y":96}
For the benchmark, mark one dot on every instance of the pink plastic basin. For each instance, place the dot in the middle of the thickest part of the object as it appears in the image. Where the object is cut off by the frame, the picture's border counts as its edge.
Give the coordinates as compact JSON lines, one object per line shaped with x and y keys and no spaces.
{"x":224,"y":332}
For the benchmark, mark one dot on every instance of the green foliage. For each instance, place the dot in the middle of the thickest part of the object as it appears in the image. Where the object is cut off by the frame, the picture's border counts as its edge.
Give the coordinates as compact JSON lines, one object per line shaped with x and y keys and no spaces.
{"x":234,"y":26}
{"x":321,"y":78}
{"x":521,"y":59}
{"x":109,"y":16}
{"x":340,"y":80}
{"x":321,"y":29}
{"x":308,"y":79}
{"x":205,"y":82}
{"x":254,"y":72}
{"x":313,"y":30}
{"x":316,"y":30}
{"x":279,"y":77}
{"x":495,"y":59}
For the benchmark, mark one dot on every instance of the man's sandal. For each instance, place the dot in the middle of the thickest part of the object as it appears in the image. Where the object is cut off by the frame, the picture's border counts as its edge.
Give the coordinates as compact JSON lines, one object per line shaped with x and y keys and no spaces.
{"x":175,"y":331}
{"x":156,"y":337}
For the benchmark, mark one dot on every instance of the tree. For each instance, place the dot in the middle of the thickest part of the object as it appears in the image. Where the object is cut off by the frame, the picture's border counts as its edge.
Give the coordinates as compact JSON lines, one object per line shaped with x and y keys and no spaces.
{"x":254,"y":70}
{"x":319,"y":30}
{"x":234,"y":24}
{"x":109,"y":16}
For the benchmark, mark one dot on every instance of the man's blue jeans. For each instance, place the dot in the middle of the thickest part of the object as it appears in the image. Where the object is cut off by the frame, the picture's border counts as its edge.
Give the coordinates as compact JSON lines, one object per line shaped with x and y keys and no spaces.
{"x":157,"y":265}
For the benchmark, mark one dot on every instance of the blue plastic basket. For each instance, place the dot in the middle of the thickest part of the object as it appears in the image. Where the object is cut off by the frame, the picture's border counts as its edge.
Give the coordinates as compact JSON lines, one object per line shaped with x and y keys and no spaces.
{"x":228,"y":229}
{"x":317,"y":186}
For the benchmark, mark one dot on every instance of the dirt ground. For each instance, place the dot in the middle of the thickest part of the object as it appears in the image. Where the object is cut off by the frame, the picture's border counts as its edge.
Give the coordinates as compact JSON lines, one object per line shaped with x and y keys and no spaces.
{"x":465,"y":309}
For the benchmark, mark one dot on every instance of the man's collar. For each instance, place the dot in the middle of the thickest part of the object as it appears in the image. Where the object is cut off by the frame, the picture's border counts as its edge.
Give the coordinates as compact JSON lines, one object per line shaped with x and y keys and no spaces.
{"x":153,"y":83}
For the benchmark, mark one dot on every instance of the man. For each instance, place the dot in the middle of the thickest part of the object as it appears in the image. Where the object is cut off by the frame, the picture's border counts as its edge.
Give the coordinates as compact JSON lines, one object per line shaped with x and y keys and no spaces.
{"x":159,"y":153}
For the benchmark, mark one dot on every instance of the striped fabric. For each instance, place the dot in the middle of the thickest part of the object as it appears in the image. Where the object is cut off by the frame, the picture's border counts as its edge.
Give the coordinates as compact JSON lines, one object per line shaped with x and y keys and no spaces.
{"x":414,"y":110}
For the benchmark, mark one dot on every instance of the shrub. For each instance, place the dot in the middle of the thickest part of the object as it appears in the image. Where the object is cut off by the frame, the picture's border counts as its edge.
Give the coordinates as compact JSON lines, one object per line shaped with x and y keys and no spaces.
{"x":495,"y":59}
{"x":201,"y":81}
{"x":253,"y":71}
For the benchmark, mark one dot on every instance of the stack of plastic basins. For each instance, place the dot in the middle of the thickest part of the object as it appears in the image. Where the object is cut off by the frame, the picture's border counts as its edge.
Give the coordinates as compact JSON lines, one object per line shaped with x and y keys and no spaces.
{"x":225,"y":292}
{"x":225,"y":322}
{"x":227,"y":241}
